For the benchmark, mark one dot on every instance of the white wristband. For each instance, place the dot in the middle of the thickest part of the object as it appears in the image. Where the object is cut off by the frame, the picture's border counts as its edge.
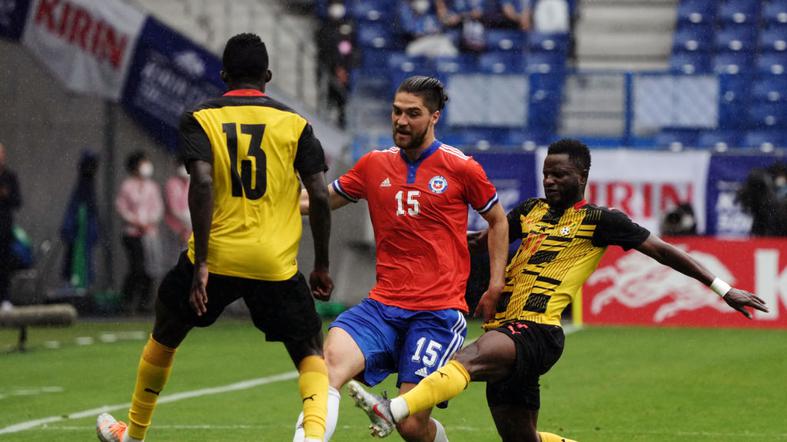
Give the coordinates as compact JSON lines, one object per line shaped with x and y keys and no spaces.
{"x":720,"y":287}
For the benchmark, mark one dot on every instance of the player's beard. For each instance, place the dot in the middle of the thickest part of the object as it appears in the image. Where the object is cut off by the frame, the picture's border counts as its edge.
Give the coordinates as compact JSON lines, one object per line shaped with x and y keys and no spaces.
{"x":415,"y":139}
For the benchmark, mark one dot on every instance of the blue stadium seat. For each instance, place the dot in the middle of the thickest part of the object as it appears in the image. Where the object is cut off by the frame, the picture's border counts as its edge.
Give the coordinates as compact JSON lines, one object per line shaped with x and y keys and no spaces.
{"x":774,"y":11}
{"x":771,"y":88}
{"x":763,"y":139}
{"x":690,"y":63}
{"x":773,"y":39}
{"x":732,"y":62}
{"x":522,"y":138}
{"x":543,"y":115}
{"x":501,"y":62}
{"x":375,"y":35}
{"x":469,"y":137}
{"x":736,"y":38}
{"x":768,"y":115}
{"x":545,"y":62}
{"x":772,"y":63}
{"x":697,"y":11}
{"x":695,"y":38}
{"x":372,"y":10}
{"x":734,"y":91}
{"x":739,"y":11}
{"x":677,"y":138}
{"x":545,"y":87}
{"x":719,"y":139}
{"x":546,"y":42}
{"x":505,"y":40}
{"x":464,"y":63}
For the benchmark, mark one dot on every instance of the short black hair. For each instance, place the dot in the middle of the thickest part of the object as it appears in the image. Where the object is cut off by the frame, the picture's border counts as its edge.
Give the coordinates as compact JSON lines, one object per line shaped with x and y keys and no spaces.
{"x":577,"y":151}
{"x":133,"y":160}
{"x":245,"y":58}
{"x":430,"y":90}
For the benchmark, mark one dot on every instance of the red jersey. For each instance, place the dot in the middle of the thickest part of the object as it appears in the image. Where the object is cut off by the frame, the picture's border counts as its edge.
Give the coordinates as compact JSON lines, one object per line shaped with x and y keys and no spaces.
{"x":419,"y":215}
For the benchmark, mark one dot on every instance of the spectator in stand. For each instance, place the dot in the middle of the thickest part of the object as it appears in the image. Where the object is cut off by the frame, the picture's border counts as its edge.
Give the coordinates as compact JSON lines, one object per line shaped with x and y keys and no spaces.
{"x":10,"y":200}
{"x":140,"y":206}
{"x":337,"y":56}
{"x":764,"y":196}
{"x":452,"y":13}
{"x":177,"y":215}
{"x":465,"y":15}
{"x":551,"y":16}
{"x":508,"y":14}
{"x":421,"y":27}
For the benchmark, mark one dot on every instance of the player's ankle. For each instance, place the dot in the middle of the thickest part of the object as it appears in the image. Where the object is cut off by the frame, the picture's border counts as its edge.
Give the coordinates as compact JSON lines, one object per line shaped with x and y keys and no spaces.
{"x":399,"y":409}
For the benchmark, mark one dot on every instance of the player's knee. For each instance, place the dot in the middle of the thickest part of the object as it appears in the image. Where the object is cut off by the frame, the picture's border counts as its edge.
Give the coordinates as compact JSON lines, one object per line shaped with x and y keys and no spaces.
{"x":413,"y":428}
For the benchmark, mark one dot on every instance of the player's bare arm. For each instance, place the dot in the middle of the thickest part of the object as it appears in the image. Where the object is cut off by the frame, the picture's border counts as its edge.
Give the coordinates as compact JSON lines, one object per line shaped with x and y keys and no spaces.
{"x":679,"y":260}
{"x":201,"y":207}
{"x":334,"y":199}
{"x":319,"y":212}
{"x":497,"y":245}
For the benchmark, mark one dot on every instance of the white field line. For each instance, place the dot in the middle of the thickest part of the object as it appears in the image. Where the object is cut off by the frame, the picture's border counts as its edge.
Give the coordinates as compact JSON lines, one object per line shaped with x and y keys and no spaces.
{"x":242,"y":385}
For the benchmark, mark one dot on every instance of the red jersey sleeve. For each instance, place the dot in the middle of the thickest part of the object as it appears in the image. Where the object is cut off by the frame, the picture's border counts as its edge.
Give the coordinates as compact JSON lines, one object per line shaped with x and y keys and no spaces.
{"x":352,"y":185}
{"x":479,"y":191}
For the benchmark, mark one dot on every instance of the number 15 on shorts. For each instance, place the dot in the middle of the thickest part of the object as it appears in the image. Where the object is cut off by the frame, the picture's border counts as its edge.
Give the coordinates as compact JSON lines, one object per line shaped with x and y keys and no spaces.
{"x":430,"y":353}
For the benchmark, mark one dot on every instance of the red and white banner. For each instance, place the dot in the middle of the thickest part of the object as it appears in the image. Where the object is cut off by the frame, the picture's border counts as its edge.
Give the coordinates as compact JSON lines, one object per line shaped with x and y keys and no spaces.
{"x":644,"y":185}
{"x":87,"y":44}
{"x":633,"y":289}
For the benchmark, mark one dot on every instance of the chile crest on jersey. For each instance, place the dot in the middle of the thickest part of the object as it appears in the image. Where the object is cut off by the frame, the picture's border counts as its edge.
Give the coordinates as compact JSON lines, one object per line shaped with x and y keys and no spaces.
{"x":438,"y":184}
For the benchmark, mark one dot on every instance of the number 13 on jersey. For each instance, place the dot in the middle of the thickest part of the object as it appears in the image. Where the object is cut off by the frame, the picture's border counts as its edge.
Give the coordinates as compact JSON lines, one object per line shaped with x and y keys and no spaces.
{"x":242,"y":184}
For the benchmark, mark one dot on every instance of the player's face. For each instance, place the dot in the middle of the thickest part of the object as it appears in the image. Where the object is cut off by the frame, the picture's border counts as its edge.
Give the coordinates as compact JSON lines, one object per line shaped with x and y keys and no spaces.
{"x":412,"y":122}
{"x":564,"y":183}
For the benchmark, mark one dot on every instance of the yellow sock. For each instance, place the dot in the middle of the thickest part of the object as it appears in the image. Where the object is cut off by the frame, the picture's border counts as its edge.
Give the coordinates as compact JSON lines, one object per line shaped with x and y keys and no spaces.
{"x":442,"y":385}
{"x":152,"y":375}
{"x":549,"y":437}
{"x":313,"y":384}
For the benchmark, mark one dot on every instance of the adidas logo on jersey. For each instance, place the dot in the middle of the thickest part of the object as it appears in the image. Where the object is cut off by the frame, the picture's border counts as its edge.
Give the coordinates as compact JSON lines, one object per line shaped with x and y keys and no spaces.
{"x":422,"y":372}
{"x":386,"y":183}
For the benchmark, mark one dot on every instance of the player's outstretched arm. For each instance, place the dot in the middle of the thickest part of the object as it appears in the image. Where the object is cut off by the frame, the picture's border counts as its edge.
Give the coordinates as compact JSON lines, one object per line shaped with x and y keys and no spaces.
{"x":497,"y":245}
{"x":201,"y":208}
{"x":679,"y":260}
{"x":334,"y":199}
{"x":320,"y":220}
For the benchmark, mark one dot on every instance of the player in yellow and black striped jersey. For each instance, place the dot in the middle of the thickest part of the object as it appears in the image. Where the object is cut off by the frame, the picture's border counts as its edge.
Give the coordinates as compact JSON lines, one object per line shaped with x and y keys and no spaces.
{"x":563,"y":239}
{"x":559,"y":251}
{"x":247,"y":155}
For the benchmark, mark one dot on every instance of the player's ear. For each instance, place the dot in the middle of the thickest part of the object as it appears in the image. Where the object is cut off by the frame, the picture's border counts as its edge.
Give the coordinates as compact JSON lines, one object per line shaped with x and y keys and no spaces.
{"x":224,"y":77}
{"x":268,"y":76}
{"x":435,"y":117}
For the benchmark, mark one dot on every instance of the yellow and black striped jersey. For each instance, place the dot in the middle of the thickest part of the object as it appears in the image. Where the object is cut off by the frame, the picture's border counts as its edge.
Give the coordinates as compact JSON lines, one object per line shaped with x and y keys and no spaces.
{"x":559,"y":251}
{"x":257,"y":147}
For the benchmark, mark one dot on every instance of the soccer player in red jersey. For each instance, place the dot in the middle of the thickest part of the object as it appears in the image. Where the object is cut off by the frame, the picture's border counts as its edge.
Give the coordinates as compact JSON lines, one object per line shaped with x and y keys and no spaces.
{"x":418,"y":193}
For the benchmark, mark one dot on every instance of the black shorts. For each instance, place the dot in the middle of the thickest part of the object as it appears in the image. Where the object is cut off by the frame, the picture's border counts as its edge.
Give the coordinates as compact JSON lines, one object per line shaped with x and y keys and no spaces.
{"x":283,"y":310}
{"x":538,"y":347}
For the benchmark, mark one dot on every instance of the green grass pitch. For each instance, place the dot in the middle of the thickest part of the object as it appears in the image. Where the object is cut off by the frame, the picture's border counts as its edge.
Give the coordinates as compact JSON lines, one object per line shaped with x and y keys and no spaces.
{"x":612,"y":384}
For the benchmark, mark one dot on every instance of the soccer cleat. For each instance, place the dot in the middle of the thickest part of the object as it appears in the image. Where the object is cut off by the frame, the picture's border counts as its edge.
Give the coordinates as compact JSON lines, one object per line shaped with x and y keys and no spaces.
{"x":109,"y":429}
{"x":377,"y":408}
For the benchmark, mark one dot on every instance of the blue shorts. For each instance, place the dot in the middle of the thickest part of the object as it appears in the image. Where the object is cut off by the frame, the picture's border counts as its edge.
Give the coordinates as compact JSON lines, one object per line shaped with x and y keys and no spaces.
{"x":413,"y":343}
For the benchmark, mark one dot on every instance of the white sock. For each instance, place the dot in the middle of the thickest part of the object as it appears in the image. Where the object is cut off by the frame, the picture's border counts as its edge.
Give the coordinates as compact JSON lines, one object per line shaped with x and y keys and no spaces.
{"x":399,"y":409}
{"x":439,"y":435}
{"x":127,"y":438}
{"x":330,"y":422}
{"x":333,"y":412}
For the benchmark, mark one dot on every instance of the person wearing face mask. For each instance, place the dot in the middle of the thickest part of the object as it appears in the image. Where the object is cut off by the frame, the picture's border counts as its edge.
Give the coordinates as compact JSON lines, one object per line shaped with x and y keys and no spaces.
{"x":764,"y":196}
{"x":141,"y":208}
{"x":337,"y":56}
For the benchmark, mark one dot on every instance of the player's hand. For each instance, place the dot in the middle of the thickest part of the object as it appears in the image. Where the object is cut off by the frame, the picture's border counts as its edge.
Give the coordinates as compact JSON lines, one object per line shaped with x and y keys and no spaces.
{"x":738,"y":299}
{"x":198,"y":297}
{"x":487,"y":305}
{"x":321,"y":284}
